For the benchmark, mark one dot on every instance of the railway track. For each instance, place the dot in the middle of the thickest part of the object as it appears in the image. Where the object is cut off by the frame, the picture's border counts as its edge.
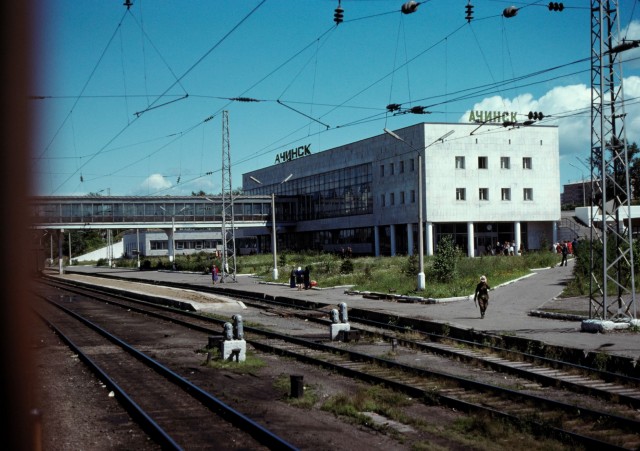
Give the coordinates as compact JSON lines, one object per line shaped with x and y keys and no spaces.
{"x":547,"y":400}
{"x":176,"y":413}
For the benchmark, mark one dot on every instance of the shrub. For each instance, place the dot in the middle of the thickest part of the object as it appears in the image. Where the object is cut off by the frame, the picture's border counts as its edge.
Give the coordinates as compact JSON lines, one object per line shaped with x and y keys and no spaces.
{"x":413,"y":265}
{"x":444,"y":263}
{"x":346,"y":267}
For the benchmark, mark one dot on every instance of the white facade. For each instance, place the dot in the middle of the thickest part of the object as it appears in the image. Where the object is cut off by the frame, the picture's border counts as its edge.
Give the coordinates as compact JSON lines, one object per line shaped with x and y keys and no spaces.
{"x":482,"y":183}
{"x":157,"y":243}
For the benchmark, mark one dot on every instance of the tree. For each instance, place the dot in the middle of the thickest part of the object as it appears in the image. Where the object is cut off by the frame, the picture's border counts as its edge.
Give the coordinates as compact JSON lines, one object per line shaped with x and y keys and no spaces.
{"x":616,"y":169}
{"x":82,"y":242}
{"x":444,"y":262}
{"x":634,"y":170}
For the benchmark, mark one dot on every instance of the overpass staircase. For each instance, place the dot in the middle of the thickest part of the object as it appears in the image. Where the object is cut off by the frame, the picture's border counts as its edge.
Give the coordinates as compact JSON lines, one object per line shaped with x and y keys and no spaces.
{"x":571,"y":227}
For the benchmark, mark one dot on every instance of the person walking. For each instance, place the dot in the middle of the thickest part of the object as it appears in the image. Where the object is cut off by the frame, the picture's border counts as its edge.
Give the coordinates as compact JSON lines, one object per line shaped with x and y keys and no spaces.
{"x":306,"y":276}
{"x":565,"y":252}
{"x":214,"y":274}
{"x":292,"y":278}
{"x":481,"y":297}
{"x":299,"y":278}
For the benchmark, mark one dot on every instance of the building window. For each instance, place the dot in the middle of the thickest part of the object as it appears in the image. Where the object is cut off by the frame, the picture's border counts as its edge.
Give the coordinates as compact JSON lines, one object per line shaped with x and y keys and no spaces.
{"x":383,"y":200}
{"x":528,"y":194}
{"x":382,"y":170}
{"x":526,"y":163}
{"x":483,"y":163}
{"x":484,"y":194}
{"x":461,"y":194}
{"x":504,"y":163}
{"x":392,"y":199}
{"x":401,"y":197}
{"x":412,"y":165}
{"x":459,"y":162}
{"x":506,"y":193}
{"x":402,"y":167}
{"x":391,"y":169}
{"x":413,"y":196}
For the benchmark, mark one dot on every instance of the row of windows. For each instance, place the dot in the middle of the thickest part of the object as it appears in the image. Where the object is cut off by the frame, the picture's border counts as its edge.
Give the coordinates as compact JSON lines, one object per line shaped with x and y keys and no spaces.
{"x":505,"y":194}
{"x":401,"y":167}
{"x":460,"y":163}
{"x":103,"y":209}
{"x":183,"y":244}
{"x":342,"y":192}
{"x":505,"y":163}
{"x":461,"y":194}
{"x":401,"y":200}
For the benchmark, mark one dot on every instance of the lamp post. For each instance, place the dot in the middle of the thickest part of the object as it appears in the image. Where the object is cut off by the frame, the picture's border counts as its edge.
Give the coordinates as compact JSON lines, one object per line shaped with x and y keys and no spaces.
{"x":172,"y":252}
{"x":421,"y":277}
{"x":584,"y":196}
{"x":274,"y":238}
{"x":138,"y":246}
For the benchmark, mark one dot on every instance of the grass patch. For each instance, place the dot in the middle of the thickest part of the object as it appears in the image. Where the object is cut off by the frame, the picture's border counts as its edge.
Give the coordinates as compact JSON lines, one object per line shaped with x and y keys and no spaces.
{"x":373,"y":398}
{"x":249,"y":366}
{"x":397,"y":274}
{"x":484,"y":433}
{"x":467,"y":432}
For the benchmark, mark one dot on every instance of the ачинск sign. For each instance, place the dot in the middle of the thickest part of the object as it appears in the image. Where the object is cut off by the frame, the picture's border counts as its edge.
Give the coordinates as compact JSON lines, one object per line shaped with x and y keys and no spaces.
{"x":292,"y":154}
{"x":492,"y":116}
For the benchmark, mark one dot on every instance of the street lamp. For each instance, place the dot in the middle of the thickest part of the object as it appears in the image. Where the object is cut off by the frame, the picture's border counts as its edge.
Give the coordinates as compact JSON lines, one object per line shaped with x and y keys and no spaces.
{"x":584,"y":196}
{"x":172,"y":251}
{"x":421,"y":278}
{"x":274,"y":239}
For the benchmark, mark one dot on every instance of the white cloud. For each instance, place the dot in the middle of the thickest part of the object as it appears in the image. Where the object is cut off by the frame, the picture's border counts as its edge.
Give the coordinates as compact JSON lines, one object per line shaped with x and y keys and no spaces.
{"x":631,"y":33}
{"x":569,"y":107}
{"x":153,"y":183}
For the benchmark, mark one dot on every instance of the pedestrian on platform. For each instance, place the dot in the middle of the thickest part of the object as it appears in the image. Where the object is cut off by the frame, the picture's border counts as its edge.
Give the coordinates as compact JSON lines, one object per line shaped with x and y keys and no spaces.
{"x":292,"y":278}
{"x":306,"y":276}
{"x":481,"y":297}
{"x":214,"y":273}
{"x":565,"y":252}
{"x":299,"y":278}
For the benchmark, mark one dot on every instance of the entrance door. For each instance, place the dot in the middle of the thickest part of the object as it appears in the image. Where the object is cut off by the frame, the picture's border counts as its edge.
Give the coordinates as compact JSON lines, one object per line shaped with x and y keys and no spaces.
{"x":484,"y":242}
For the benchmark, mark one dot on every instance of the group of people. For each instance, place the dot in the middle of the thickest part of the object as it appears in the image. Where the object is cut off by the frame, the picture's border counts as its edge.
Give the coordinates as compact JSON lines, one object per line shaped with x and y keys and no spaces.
{"x":346,"y":253}
{"x":506,"y":248}
{"x":565,"y":248}
{"x":300,"y":278}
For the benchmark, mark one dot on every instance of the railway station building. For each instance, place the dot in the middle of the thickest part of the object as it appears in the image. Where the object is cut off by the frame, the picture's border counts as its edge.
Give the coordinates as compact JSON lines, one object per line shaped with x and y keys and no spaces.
{"x":481,"y":183}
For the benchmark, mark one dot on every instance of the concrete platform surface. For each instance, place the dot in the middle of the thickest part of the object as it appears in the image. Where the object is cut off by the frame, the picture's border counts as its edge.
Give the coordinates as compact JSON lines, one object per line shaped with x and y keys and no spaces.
{"x":514,"y":308}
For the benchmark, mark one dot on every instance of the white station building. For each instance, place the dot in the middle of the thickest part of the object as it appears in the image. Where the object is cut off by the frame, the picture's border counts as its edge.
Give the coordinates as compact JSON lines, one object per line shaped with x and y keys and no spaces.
{"x":482,"y":183}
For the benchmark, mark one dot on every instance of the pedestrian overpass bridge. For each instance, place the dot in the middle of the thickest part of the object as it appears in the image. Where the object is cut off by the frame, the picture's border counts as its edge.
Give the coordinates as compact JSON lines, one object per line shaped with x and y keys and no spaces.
{"x":158,"y":212}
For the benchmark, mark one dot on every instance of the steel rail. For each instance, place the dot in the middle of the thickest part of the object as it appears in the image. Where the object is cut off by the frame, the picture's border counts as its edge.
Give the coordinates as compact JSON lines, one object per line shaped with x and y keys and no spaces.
{"x":226,"y":412}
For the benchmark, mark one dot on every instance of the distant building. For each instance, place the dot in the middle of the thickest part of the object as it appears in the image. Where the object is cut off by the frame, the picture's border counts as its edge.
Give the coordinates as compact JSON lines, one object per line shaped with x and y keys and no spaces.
{"x":576,"y":194}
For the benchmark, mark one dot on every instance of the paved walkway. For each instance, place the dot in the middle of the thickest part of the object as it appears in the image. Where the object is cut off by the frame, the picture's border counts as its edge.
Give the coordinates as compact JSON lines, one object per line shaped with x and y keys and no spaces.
{"x":508,"y":312}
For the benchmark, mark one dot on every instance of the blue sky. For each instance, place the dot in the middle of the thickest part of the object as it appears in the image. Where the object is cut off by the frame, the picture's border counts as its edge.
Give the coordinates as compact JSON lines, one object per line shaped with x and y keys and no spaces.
{"x":129,"y":101}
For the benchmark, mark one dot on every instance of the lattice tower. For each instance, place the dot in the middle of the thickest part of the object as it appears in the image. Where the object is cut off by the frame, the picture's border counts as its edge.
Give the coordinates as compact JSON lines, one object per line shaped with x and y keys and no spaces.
{"x":228,"y":270}
{"x":612,"y":286}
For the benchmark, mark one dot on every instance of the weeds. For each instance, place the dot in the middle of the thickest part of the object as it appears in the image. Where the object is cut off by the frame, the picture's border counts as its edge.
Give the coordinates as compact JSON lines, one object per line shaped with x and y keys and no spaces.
{"x":249,"y":366}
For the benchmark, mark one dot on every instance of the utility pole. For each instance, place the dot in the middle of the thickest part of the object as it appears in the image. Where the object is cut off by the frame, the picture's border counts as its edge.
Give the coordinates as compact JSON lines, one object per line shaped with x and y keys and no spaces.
{"x":228,"y":229}
{"x":611,"y":266}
